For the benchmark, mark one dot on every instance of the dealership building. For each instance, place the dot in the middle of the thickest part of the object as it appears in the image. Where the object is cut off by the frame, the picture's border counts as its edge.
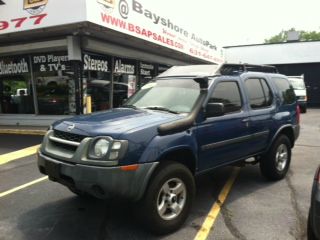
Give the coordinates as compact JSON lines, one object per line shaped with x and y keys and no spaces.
{"x":293,"y":58}
{"x":55,"y":53}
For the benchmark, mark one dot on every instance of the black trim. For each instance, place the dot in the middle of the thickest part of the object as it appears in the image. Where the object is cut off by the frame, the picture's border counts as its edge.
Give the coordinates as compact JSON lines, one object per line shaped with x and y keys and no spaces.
{"x":198,"y":173}
{"x":187,"y":122}
{"x":234,"y":140}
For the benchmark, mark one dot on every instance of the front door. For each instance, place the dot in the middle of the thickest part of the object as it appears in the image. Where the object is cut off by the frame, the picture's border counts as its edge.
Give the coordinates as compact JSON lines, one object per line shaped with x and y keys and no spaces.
{"x":224,"y":139}
{"x":262,"y":109}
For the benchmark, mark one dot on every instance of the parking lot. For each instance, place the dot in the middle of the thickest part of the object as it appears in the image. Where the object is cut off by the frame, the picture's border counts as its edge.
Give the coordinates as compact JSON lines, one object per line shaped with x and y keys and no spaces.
{"x":32,"y":207}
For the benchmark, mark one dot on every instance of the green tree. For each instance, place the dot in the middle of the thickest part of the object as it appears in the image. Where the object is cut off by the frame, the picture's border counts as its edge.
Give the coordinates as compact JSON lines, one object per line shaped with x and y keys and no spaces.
{"x":304,"y":36}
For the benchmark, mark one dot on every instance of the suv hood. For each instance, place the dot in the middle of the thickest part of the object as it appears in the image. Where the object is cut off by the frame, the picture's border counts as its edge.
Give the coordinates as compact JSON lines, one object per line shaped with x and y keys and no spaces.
{"x":114,"y":122}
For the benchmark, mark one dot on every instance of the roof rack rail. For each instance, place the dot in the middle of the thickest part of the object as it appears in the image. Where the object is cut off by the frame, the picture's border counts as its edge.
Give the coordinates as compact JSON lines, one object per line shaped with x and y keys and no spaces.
{"x":236,"y":69}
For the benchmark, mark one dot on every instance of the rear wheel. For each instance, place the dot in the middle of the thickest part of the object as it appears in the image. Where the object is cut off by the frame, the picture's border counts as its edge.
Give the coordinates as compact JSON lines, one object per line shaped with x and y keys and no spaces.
{"x":168,"y":199}
{"x":275,"y":164}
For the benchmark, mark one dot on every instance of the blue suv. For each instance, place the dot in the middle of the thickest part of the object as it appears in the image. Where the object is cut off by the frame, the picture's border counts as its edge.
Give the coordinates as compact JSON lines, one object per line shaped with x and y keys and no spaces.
{"x":185,"y":122}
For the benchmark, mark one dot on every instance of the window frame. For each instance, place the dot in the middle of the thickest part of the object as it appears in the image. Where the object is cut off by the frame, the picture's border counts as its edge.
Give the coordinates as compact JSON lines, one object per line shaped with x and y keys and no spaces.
{"x":216,"y":83}
{"x":279,"y":91}
{"x":260,"y":78}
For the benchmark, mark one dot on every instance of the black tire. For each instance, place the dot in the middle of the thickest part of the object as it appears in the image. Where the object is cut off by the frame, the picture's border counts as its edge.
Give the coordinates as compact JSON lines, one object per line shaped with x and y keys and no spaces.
{"x":270,"y":163}
{"x":311,"y":235}
{"x":147,"y":209}
{"x":303,"y":109}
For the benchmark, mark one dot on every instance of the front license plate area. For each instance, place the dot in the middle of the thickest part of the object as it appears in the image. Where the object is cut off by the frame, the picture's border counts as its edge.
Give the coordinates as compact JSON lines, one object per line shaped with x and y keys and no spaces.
{"x":53,"y":169}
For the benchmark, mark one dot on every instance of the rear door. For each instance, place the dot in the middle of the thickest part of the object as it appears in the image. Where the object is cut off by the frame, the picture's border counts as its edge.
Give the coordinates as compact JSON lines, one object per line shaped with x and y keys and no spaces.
{"x":224,"y":139}
{"x":262,"y":107}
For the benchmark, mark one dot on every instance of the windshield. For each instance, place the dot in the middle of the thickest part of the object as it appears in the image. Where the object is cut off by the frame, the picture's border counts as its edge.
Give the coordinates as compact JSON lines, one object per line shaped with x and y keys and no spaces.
{"x":177,"y":95}
{"x":297,"y":83}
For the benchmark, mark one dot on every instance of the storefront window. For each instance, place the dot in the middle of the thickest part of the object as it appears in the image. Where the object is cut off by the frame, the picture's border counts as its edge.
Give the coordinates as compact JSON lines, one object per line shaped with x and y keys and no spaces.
{"x":97,"y":81}
{"x":54,"y":83}
{"x":125,"y":81}
{"x":16,"y":94}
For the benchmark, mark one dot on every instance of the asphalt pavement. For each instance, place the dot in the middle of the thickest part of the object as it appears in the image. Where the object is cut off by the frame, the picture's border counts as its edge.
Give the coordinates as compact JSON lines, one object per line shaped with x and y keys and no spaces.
{"x":254,"y":208}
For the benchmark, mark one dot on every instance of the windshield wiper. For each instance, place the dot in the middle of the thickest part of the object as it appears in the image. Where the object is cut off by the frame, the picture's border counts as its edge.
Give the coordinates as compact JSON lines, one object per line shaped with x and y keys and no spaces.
{"x":161,"y":109}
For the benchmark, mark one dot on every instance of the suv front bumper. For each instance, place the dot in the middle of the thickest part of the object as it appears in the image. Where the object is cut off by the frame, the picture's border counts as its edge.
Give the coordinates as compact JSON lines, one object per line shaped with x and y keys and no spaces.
{"x":101,"y":182}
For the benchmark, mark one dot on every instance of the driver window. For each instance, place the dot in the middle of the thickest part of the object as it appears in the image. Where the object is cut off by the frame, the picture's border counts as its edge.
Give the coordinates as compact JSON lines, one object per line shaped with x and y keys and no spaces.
{"x":227,"y":93}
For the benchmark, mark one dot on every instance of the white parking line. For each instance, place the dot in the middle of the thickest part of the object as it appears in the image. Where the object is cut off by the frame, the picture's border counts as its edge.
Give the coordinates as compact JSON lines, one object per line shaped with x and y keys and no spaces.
{"x":22,"y":186}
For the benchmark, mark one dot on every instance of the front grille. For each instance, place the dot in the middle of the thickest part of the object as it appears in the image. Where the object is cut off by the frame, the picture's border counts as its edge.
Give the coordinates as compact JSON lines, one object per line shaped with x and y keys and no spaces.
{"x":68,"y":136}
{"x":64,"y":146}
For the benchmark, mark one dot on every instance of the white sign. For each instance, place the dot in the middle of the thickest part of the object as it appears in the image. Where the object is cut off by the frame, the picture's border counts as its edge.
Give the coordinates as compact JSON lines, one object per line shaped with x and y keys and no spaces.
{"x":135,"y":18}
{"x":21,"y":15}
{"x":132,"y":17}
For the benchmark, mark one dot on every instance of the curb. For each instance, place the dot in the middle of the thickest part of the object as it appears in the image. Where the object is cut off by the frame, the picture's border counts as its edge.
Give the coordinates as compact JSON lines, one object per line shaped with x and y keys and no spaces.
{"x":23,"y":132}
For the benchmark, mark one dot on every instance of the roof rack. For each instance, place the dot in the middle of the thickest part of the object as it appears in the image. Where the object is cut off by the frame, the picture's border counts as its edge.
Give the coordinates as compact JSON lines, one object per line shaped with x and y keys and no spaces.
{"x":236,"y":69}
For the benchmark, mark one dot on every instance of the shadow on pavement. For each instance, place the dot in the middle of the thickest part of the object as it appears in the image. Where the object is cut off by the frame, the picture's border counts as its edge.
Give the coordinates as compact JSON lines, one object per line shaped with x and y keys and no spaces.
{"x":89,"y":218}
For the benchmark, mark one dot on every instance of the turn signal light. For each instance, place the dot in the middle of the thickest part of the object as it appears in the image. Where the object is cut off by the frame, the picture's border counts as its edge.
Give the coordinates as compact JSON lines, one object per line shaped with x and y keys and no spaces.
{"x":130,"y":167}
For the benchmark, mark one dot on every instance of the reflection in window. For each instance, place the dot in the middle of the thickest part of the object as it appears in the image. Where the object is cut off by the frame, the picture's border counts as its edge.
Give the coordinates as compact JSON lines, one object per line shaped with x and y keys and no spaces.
{"x":54,"y":83}
{"x":227,"y":93}
{"x":260,"y":95}
{"x":16,"y":94}
{"x":286,"y":90}
{"x":97,"y":81}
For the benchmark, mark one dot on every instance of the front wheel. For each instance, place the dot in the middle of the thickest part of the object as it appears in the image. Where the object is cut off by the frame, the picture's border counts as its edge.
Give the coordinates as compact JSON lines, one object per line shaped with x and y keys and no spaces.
{"x":168,"y":199}
{"x":275,"y":164}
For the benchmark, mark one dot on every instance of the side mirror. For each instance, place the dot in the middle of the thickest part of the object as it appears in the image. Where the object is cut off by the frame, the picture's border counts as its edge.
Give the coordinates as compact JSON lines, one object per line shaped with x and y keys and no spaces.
{"x":214,"y":109}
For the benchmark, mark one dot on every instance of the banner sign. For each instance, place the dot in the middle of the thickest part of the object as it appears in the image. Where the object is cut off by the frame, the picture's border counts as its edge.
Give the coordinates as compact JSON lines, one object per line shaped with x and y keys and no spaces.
{"x":134,"y":18}
{"x":131,"y":17}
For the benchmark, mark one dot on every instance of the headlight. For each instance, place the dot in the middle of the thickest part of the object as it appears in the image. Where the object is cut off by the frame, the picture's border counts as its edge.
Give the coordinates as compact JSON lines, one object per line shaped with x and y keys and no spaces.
{"x":105,"y":148}
{"x":101,"y":148}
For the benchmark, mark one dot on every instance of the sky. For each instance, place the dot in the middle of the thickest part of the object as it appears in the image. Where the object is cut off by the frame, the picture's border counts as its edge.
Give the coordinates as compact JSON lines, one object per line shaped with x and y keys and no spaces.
{"x":235,"y":22}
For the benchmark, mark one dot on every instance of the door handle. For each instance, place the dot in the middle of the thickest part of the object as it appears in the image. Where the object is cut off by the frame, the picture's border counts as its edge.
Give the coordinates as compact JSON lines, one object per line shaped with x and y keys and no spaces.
{"x":246,"y":121}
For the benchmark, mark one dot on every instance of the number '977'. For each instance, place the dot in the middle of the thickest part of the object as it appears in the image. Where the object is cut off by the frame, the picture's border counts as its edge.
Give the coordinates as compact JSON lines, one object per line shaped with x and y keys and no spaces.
{"x":19,"y":22}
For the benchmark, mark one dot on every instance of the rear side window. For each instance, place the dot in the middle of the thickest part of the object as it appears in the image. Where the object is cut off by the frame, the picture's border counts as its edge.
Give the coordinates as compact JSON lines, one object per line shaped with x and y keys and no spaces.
{"x":227,"y":93}
{"x":285,"y":89}
{"x":260,"y":94}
